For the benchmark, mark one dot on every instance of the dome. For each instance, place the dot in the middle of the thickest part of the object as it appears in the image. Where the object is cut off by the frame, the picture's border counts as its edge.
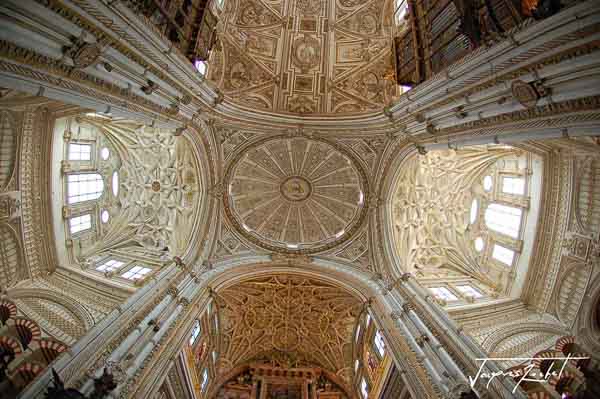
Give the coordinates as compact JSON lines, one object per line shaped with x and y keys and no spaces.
{"x":295,"y":194}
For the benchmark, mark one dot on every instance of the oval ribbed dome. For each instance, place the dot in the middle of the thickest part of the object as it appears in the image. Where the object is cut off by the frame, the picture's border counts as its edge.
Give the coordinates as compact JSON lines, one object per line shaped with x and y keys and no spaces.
{"x":295,"y":194}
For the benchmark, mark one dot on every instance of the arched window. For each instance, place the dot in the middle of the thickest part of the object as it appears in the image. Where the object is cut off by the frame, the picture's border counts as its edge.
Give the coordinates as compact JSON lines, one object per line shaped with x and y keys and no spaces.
{"x":104,"y":153}
{"x":503,"y":219}
{"x":488,"y":183}
{"x":84,"y":187}
{"x":479,"y":244}
{"x":195,"y":332}
{"x":474,"y":210}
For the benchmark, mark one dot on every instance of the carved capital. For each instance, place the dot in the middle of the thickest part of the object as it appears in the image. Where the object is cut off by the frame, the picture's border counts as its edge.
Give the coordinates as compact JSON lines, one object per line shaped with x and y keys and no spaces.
{"x":422,"y":339}
{"x":396,"y":315}
{"x":407,"y":307}
{"x":173,"y":291}
{"x":183,"y":301}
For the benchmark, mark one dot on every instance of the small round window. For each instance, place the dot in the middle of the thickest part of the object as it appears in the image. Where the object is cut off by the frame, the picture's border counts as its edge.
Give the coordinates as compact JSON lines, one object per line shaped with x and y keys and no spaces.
{"x":474,"y":209}
{"x":479,"y":244}
{"x":104,"y":153}
{"x":488,"y":182}
{"x":104,"y":216}
{"x":115,"y":183}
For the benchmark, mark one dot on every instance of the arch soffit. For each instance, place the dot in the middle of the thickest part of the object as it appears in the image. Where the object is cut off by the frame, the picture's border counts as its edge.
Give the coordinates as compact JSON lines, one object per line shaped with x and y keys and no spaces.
{"x":495,"y":339}
{"x":233,"y":271}
{"x":228,"y":274}
{"x":203,"y":238}
{"x":587,"y":328}
{"x":388,"y":185}
{"x":74,"y":307}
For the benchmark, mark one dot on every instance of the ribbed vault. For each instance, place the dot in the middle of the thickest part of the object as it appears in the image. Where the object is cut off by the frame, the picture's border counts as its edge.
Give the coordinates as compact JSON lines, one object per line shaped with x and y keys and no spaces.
{"x":302,"y":320}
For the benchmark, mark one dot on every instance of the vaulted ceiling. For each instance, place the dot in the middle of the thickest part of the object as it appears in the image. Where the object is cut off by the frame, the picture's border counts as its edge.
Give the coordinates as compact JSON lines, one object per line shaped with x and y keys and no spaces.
{"x":309,"y":321}
{"x":305,"y":56}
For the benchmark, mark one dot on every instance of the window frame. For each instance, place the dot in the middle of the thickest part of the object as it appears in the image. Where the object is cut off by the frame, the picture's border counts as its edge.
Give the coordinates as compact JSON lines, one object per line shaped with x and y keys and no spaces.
{"x":90,"y":144}
{"x":364,"y":388}
{"x":205,"y":378}
{"x":503,"y":248}
{"x":443,"y":287}
{"x":77,"y":233}
{"x":494,"y":213}
{"x":69,"y":188}
{"x":133,"y":265}
{"x":109,"y":259}
{"x":398,"y":5}
{"x":378,"y":338}
{"x":464,"y":293}
{"x":196,"y":333}
{"x":513,"y":177}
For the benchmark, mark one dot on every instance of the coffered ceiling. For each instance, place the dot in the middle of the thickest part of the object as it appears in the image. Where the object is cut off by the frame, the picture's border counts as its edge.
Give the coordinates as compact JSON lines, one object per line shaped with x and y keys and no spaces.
{"x":305,"y":56}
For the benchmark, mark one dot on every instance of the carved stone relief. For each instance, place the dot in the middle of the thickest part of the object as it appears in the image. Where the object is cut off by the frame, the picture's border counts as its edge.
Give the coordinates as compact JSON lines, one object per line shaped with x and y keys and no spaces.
{"x":295,"y":194}
{"x":431,"y":212}
{"x":298,"y":56}
{"x":288,"y":314}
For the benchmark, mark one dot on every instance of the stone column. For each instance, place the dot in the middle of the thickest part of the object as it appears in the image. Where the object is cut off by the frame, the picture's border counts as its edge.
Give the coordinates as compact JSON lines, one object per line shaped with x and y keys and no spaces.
{"x":124,"y":341}
{"x":411,"y":304}
{"x":439,"y":321}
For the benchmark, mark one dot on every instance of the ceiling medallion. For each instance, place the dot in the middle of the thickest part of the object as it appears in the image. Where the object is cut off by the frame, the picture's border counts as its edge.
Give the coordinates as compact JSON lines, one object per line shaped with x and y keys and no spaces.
{"x":306,"y":52}
{"x":295,"y":188}
{"x":294,"y":194}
